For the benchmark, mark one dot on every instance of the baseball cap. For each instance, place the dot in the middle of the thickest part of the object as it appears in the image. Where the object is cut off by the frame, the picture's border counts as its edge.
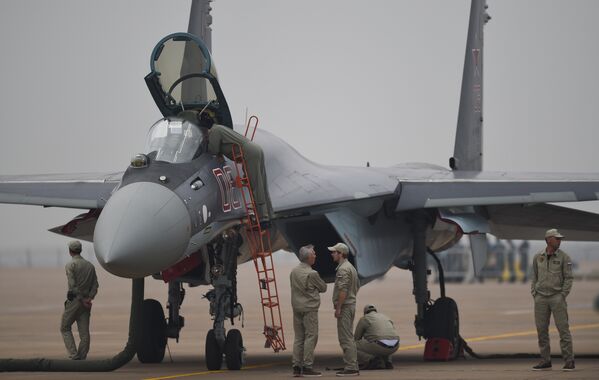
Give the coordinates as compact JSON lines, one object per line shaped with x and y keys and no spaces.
{"x":553,"y":233}
{"x":339,"y":247}
{"x":75,"y":246}
{"x":368,"y":308}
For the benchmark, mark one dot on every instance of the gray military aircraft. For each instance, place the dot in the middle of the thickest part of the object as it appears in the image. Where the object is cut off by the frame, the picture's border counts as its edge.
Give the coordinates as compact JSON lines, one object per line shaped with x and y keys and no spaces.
{"x":176,"y":203}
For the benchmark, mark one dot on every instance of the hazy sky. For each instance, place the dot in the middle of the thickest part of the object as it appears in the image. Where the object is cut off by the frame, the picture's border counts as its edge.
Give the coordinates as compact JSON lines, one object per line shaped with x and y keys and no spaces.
{"x":343,"y":81}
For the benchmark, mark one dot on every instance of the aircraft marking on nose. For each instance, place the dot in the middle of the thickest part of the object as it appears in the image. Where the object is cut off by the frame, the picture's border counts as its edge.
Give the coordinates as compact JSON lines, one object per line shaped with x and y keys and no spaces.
{"x":225,"y":184}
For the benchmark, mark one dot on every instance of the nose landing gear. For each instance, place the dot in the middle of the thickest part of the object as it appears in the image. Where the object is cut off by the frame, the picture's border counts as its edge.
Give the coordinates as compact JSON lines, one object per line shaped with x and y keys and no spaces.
{"x":224,"y":305}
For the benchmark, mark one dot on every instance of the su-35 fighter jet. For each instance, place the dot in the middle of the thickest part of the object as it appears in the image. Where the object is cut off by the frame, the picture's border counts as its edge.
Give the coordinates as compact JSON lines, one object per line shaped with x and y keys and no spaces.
{"x":178,"y":213}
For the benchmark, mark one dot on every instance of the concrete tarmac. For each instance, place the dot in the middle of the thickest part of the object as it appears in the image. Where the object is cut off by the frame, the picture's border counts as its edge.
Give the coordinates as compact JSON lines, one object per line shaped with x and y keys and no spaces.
{"x":494,"y":319}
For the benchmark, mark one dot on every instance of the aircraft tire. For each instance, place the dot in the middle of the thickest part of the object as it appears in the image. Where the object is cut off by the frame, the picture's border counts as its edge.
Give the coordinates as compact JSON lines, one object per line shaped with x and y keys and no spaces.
{"x":214,"y":356}
{"x":152,"y":342}
{"x":234,"y":350}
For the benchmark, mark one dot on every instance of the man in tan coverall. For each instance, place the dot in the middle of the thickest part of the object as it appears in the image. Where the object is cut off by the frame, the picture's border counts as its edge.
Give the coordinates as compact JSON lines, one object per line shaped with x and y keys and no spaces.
{"x":306,"y":286}
{"x":376,"y":340}
{"x":551,"y":284}
{"x":221,"y":140}
{"x":83,"y":287}
{"x":344,"y":301}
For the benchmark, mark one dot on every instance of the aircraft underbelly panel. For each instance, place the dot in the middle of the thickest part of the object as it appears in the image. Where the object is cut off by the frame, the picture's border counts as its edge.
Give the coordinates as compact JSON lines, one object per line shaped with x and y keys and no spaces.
{"x":375,"y":242}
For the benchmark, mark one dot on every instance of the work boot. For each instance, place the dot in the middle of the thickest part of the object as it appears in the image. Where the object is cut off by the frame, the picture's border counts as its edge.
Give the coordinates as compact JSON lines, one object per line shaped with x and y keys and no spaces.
{"x":297,"y":371}
{"x":569,"y":366}
{"x":309,"y":372}
{"x":348,"y":372}
{"x":388,"y":365}
{"x":542,"y":366}
{"x":376,"y":363}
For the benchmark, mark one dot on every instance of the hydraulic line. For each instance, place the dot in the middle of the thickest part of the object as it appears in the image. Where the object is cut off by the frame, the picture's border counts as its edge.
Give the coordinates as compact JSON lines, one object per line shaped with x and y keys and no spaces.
{"x":101,"y":365}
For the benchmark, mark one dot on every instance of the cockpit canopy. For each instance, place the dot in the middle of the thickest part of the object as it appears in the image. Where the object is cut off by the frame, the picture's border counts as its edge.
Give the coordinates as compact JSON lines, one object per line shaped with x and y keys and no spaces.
{"x":183,"y":77}
{"x":175,"y":140}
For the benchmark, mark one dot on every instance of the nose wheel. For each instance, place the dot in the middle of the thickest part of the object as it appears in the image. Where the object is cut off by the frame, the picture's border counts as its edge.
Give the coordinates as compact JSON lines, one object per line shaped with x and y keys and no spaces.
{"x":214,"y":354}
{"x":232,"y":349}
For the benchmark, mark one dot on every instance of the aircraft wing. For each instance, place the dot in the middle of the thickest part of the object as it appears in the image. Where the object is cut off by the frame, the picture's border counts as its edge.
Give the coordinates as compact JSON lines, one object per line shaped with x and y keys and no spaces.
{"x":83,"y":190}
{"x":524,"y":222}
{"x":453,"y":189}
{"x":511,"y":205}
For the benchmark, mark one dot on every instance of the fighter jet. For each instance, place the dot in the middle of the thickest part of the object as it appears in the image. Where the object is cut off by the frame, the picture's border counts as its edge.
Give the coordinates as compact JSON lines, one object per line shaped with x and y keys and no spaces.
{"x":176,"y":212}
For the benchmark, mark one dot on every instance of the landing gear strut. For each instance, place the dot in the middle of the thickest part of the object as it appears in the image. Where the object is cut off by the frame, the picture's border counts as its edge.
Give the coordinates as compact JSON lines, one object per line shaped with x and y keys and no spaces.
{"x":223,"y":304}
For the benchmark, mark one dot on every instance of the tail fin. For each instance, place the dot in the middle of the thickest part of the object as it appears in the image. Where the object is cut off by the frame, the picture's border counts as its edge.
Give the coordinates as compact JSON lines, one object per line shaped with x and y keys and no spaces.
{"x":200,"y":21}
{"x":468,"y":149}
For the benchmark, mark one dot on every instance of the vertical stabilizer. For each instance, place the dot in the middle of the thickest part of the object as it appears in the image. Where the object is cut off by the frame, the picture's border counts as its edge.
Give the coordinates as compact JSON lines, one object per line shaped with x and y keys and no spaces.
{"x":200,"y":21}
{"x":468,"y":150}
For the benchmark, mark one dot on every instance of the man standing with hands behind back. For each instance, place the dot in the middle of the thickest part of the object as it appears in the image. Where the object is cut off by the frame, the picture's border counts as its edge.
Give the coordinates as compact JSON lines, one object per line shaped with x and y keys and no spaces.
{"x":306,"y":286}
{"x":344,"y":301}
{"x":83,"y":287}
{"x":551,"y":283}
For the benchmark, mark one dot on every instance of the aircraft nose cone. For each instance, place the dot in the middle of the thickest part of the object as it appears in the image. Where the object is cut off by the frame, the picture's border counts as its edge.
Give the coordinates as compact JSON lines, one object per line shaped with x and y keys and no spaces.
{"x":143,"y":229}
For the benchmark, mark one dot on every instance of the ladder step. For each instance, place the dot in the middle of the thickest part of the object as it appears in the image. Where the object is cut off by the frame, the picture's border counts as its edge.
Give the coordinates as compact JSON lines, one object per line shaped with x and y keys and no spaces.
{"x":270,"y":304}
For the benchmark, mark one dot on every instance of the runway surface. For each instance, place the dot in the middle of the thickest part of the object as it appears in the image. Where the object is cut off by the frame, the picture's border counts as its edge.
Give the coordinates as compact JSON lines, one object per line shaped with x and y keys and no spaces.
{"x":494,"y":318}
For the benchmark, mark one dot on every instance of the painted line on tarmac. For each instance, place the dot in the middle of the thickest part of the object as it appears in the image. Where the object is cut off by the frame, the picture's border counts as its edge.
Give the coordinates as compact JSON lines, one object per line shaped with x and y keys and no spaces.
{"x":209,"y":372}
{"x":530,"y":332}
{"x":508,"y":335}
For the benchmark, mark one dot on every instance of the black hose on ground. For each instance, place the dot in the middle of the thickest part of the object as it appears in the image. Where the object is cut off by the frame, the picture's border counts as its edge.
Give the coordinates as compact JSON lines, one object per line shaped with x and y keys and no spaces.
{"x":102,"y":365}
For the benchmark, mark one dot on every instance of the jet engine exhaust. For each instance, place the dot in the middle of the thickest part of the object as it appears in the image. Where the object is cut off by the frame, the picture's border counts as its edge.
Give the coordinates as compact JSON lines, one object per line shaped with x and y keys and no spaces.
{"x":143,"y":229}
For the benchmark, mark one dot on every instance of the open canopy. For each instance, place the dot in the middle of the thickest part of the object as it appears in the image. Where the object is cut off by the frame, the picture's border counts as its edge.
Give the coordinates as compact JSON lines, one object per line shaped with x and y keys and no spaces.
{"x":183,"y":77}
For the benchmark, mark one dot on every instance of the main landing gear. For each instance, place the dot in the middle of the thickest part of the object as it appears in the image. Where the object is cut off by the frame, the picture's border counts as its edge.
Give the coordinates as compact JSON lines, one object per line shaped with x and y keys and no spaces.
{"x":438,"y":321}
{"x":223,"y":304}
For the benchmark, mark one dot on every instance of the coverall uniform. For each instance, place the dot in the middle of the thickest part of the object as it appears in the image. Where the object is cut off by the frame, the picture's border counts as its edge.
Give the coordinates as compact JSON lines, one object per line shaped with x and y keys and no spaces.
{"x":306,"y":286}
{"x":347,"y":280}
{"x":376,"y":337}
{"x":551,"y":283}
{"x":83,"y":283}
{"x":221,"y":140}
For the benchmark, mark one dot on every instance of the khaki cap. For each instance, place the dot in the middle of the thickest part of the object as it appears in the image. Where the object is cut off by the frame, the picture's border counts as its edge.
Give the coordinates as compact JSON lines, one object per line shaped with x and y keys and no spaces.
{"x":553,"y":233}
{"x":75,"y":246}
{"x":368,"y":308}
{"x":339,"y":247}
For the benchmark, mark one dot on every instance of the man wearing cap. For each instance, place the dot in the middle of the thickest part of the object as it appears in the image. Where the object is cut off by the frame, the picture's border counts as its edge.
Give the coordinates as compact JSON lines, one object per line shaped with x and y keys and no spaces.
{"x":83,"y":287}
{"x":306,"y":286}
{"x":344,"y":301}
{"x":376,"y":340}
{"x":551,"y":284}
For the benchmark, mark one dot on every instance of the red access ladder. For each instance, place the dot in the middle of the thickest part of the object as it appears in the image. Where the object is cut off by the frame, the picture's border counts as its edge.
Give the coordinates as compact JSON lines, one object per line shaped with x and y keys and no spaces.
{"x":260,"y":248}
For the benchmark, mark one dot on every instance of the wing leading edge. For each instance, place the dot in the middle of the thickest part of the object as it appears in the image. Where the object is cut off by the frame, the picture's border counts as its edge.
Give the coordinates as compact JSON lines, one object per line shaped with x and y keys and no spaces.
{"x":83,"y":190}
{"x":455,"y":189}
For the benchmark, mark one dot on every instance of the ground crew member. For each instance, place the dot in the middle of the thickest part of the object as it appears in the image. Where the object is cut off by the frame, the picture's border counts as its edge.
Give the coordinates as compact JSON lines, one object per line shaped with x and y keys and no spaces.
{"x":376,"y":340}
{"x":344,"y":301}
{"x":306,"y":286}
{"x":551,"y":284}
{"x":220,"y":142}
{"x":83,"y":287}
